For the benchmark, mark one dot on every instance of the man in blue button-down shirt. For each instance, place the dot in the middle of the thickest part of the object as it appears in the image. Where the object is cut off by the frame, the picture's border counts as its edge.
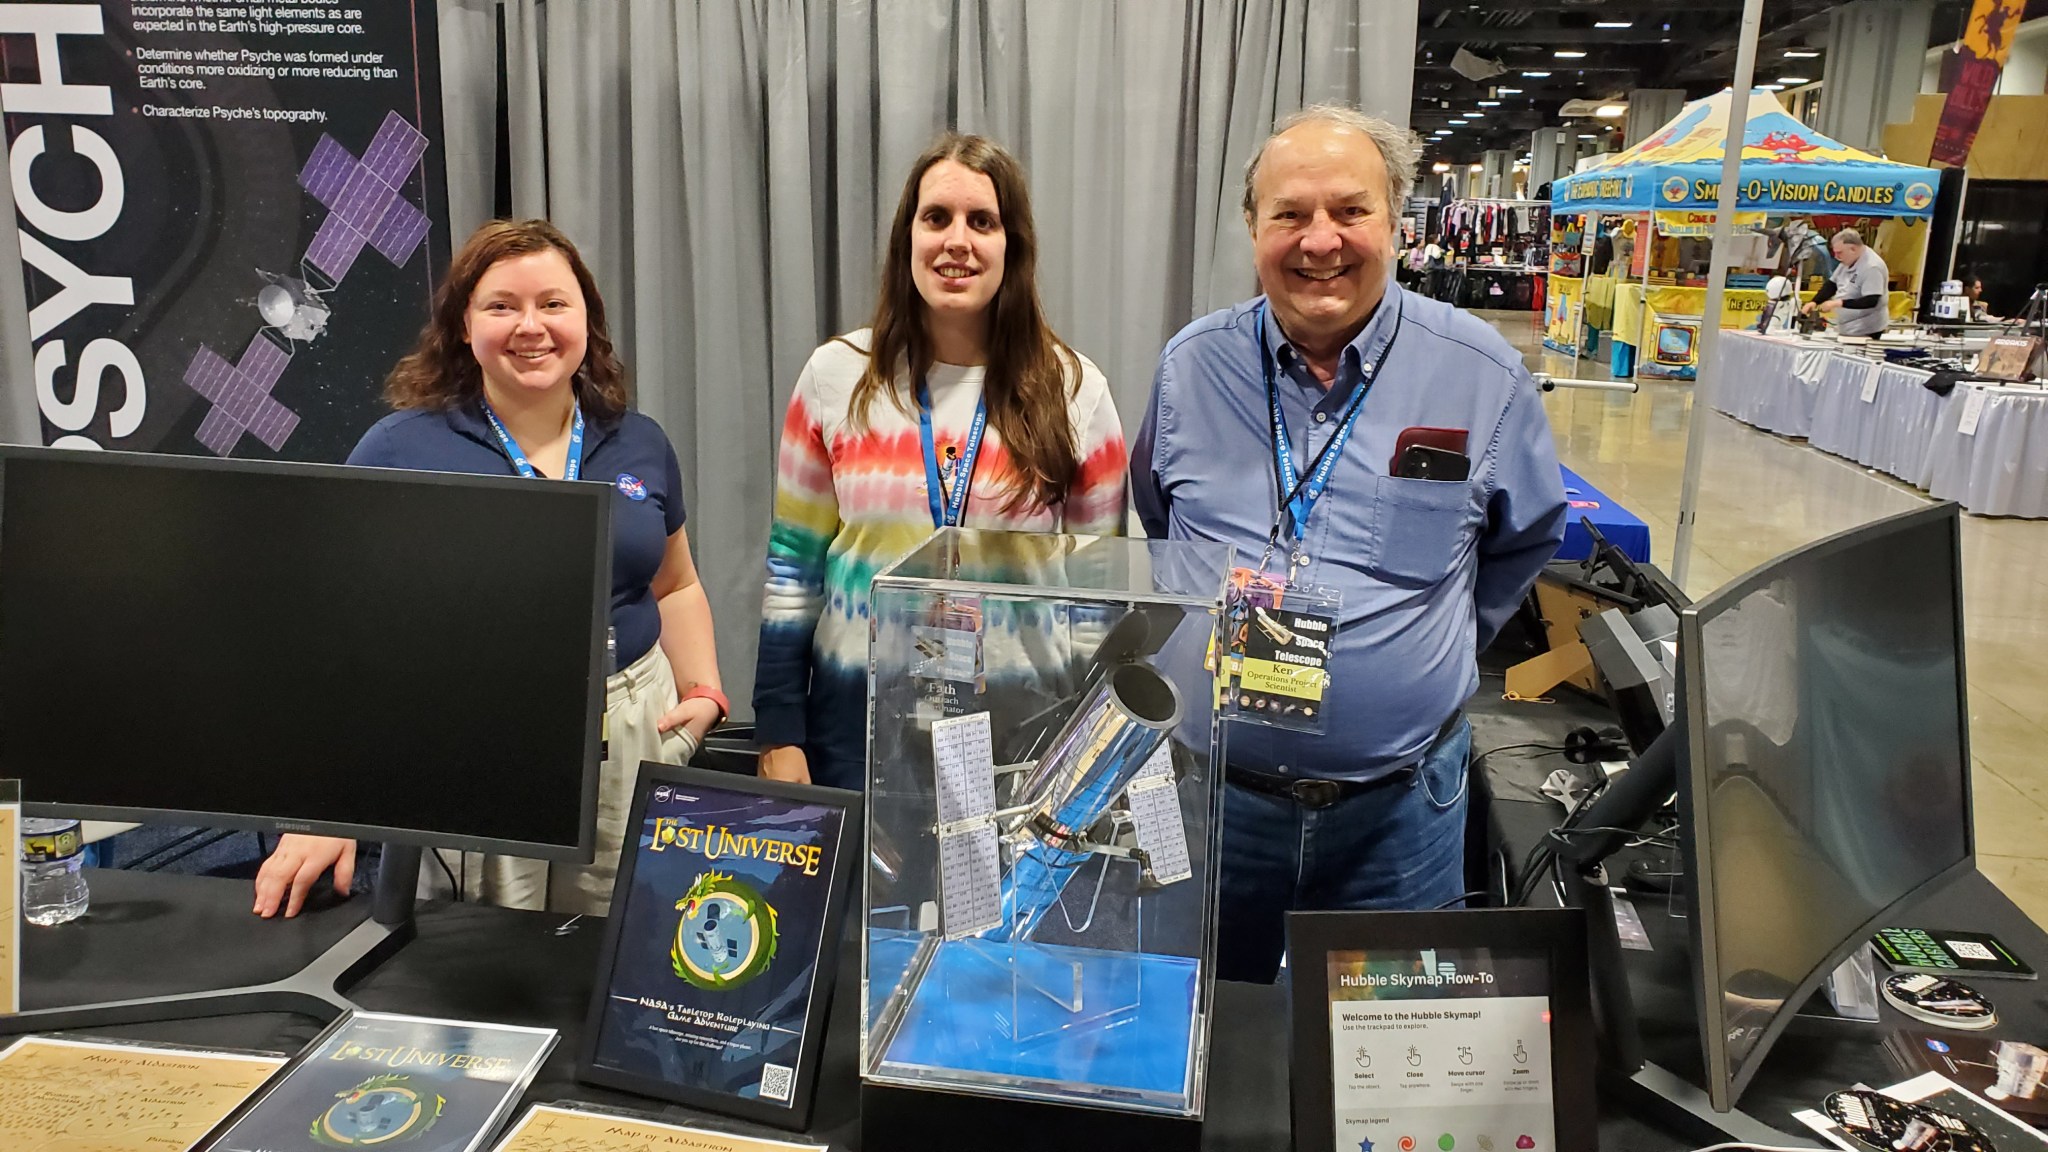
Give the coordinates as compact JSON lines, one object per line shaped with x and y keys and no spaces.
{"x":1371,"y":812}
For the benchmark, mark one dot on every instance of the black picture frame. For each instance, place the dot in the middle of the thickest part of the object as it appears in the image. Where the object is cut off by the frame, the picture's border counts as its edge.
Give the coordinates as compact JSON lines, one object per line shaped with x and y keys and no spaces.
{"x":795,"y":1113}
{"x":1558,"y":933}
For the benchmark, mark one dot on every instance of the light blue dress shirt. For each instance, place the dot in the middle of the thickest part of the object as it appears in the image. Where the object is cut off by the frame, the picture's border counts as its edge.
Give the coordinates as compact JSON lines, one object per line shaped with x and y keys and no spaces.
{"x":1429,"y":569}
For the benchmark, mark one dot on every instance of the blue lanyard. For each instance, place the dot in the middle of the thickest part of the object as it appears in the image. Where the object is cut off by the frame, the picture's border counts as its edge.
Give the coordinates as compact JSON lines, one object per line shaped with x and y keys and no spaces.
{"x":572,"y":470}
{"x":1298,"y":495}
{"x":948,"y":515}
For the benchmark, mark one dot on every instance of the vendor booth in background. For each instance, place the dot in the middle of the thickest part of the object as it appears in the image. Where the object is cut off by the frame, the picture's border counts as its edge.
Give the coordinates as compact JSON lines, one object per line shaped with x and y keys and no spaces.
{"x":1666,"y":188}
{"x":1495,"y":253}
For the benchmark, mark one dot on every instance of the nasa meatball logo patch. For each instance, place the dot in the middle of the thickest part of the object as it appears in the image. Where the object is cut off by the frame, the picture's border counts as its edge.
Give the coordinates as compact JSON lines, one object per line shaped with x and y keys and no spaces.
{"x":632,"y":486}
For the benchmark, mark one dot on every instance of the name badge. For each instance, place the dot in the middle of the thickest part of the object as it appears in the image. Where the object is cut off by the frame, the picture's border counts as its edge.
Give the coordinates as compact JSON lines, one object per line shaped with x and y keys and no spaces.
{"x":1275,"y":668}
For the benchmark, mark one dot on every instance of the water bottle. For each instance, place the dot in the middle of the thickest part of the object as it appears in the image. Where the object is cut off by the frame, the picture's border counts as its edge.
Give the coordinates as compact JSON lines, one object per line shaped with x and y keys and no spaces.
{"x":52,"y":871}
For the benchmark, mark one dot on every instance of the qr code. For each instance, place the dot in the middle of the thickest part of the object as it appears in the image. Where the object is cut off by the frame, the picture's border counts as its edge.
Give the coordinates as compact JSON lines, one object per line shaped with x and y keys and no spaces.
{"x":777,"y":1082}
{"x":1970,"y":950}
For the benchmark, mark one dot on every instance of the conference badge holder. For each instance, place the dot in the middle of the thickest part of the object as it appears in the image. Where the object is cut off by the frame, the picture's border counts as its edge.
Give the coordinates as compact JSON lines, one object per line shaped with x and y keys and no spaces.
{"x":1275,"y":669}
{"x":950,"y":672}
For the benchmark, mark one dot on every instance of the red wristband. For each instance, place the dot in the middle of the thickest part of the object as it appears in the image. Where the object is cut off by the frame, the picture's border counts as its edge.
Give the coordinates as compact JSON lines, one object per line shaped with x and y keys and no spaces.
{"x":707,"y":692}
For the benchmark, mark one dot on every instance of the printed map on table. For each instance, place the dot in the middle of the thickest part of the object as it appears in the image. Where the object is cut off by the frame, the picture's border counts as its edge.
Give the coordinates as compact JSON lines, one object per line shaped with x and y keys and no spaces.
{"x":70,"y":1096}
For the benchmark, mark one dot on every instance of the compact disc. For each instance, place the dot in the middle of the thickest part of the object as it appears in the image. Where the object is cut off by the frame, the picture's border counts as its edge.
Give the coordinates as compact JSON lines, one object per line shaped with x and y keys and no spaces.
{"x":1880,"y":1122}
{"x":1940,"y":1001}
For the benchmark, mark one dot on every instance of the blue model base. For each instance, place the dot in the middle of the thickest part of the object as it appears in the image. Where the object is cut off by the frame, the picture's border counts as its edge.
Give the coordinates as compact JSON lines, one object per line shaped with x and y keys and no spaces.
{"x":982,"y":1014}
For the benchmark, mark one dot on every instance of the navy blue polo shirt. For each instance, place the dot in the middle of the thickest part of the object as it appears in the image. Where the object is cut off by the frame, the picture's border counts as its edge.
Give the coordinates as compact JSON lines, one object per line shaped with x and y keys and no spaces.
{"x":631,"y":454}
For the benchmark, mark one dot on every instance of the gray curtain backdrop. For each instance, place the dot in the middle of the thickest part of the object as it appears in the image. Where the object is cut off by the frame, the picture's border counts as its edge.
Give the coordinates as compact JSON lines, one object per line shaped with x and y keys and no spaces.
{"x":729,"y":167}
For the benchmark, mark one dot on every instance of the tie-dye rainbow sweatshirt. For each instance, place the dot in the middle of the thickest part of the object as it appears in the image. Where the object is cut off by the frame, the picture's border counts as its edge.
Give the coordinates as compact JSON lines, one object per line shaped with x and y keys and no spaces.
{"x":850,"y":501}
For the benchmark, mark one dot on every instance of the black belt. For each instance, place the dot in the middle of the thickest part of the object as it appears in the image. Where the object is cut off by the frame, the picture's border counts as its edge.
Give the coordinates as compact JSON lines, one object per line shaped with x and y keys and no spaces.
{"x":1315,"y":793}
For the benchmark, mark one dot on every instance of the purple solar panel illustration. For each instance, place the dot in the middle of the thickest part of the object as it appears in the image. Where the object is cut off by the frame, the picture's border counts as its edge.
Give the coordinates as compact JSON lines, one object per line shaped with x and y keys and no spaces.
{"x":365,"y":208}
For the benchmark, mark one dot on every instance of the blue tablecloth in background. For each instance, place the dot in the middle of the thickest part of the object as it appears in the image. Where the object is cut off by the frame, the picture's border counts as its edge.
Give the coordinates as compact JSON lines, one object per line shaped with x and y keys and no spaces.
{"x":1622,"y":528}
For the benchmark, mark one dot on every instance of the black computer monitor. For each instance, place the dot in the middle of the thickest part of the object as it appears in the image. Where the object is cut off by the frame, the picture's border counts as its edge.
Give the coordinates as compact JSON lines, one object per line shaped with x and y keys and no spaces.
{"x":403,"y":656}
{"x":1828,"y":780}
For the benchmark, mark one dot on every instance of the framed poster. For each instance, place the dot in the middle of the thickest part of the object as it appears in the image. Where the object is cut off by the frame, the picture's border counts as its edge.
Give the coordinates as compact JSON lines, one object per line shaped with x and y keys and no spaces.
{"x":2007,"y":357}
{"x":1468,"y":1029}
{"x":722,"y":948}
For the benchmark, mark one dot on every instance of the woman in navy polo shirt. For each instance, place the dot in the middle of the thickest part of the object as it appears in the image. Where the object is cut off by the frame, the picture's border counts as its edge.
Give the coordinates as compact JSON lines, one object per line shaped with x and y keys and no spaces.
{"x":515,"y":375}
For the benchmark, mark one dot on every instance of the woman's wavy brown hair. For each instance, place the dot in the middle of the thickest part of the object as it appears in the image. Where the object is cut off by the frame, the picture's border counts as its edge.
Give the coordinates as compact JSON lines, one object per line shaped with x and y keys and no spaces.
{"x":441,"y":371}
{"x":1031,"y":374}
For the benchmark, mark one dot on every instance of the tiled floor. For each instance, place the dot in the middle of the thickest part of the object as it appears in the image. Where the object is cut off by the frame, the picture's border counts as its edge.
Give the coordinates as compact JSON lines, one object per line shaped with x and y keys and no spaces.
{"x":1761,"y":495}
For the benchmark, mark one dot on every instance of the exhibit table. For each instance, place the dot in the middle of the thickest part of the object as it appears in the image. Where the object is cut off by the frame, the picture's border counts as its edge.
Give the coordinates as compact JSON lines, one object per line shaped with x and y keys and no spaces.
{"x":2001,"y":467}
{"x":1886,"y":424}
{"x":1989,"y":454}
{"x":1622,"y":528}
{"x":151,"y":933}
{"x":1817,"y":1055}
{"x":1769,"y":383}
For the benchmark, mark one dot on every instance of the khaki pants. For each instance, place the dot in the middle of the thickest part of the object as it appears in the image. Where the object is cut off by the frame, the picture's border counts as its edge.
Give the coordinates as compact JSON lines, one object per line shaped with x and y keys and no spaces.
{"x":635,"y":701}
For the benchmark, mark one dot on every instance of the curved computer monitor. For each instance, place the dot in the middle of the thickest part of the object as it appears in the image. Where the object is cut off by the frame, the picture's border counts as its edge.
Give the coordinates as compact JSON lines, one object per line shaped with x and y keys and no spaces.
{"x":1829,"y":781}
{"x":403,"y":656}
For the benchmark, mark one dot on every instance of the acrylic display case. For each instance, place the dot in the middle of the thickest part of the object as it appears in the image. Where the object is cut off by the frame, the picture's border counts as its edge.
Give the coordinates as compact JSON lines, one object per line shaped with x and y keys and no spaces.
{"x":1044,"y":760}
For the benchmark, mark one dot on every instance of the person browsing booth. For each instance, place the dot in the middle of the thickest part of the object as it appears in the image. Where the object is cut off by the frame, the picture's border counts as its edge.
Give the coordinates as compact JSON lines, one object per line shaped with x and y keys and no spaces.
{"x":515,"y":375}
{"x":1382,"y":463}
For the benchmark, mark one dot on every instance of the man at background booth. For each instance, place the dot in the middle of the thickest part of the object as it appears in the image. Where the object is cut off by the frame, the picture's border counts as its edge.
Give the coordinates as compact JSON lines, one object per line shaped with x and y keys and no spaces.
{"x":1857,"y":295}
{"x":1285,"y":426}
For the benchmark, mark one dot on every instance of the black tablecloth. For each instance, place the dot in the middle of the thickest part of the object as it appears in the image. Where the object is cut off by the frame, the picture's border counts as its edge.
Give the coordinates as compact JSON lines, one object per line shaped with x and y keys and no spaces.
{"x":152,"y":934}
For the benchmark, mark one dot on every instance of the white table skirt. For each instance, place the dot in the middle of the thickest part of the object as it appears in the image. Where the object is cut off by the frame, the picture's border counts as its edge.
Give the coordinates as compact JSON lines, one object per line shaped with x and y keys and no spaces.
{"x":1903,"y":430}
{"x":1772,"y":384}
{"x":2002,"y":470}
{"x":1889,"y":432}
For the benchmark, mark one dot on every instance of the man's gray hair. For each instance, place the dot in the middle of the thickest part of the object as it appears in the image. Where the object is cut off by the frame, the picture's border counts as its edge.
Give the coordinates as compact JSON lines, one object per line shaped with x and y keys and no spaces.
{"x":1398,"y":150}
{"x":1849,"y":236}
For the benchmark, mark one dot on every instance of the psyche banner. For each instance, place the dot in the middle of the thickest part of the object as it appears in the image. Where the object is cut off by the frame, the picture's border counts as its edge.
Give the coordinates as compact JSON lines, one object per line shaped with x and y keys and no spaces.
{"x":231,"y":216}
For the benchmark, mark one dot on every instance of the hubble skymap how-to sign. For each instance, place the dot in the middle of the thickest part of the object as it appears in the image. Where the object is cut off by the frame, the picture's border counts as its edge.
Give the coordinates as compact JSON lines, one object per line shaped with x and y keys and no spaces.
{"x":231,"y":216}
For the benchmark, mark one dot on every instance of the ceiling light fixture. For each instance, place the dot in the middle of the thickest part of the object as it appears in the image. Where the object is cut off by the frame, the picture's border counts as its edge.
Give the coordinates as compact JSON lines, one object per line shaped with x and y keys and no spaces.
{"x":1479,"y":168}
{"x":1440,"y":167}
{"x":1770,"y":87}
{"x":1794,"y":80}
{"x":1614,"y":23}
{"x":1801,"y":53}
{"x":1610,"y":111}
{"x":1536,"y":75}
{"x":1569,"y":54}
{"x":1586,"y":136}
{"x":1505,"y":92}
{"x":1487,"y":103}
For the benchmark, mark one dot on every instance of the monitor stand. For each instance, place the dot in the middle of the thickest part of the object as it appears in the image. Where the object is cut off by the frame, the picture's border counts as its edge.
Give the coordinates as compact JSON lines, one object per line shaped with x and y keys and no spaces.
{"x":315,"y":990}
{"x":1650,"y":1090}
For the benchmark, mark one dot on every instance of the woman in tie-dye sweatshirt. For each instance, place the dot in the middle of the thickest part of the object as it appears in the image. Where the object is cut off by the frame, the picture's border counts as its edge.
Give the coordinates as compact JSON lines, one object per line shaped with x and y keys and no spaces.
{"x":959,"y":312}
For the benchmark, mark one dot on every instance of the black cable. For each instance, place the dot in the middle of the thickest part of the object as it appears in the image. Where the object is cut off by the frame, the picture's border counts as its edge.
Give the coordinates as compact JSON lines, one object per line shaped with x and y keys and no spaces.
{"x":1479,"y":758}
{"x":1543,"y":856}
{"x":1632,"y":833}
{"x":1476,"y":892}
{"x":450,"y":872}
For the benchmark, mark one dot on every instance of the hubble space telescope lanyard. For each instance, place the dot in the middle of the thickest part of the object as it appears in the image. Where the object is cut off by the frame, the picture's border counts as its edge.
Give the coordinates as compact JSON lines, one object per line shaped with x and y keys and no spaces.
{"x":1299,"y":493}
{"x":571,"y":471}
{"x":947,"y":515}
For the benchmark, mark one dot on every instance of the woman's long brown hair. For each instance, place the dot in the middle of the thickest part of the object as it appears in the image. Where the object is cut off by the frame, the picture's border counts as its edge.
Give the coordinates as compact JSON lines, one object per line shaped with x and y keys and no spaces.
{"x":1031,"y":374}
{"x":441,"y":371}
